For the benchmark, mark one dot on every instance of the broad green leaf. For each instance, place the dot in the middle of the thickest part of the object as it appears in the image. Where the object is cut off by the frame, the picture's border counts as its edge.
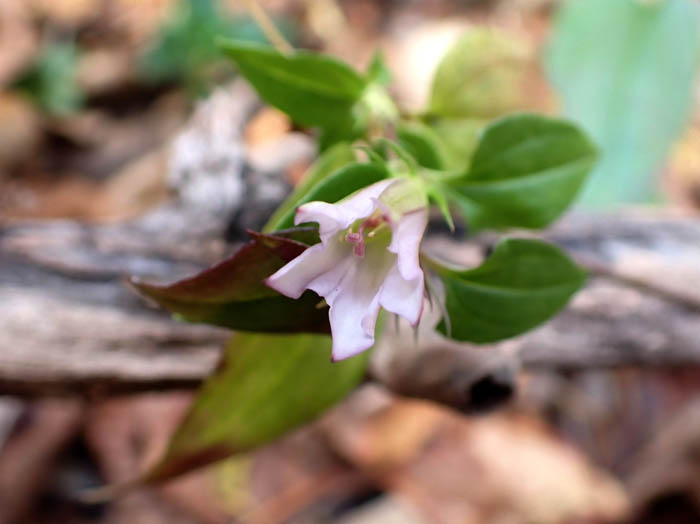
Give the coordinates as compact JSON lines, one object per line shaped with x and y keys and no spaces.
{"x":481,"y":76}
{"x":458,"y":139}
{"x":525,"y":172}
{"x":422,"y":143}
{"x":233,"y":294}
{"x":522,"y":284}
{"x":348,"y":131}
{"x":313,"y":89}
{"x":331,"y":160}
{"x":266,"y":386}
{"x":337,"y":185}
{"x":631,"y":85}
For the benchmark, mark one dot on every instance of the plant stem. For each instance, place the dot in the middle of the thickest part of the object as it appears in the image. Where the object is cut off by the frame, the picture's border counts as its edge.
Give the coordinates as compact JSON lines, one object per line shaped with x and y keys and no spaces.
{"x":268,"y":27}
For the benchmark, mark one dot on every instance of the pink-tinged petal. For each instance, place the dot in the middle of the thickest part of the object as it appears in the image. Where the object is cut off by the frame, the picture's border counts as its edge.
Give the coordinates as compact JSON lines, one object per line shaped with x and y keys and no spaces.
{"x":358,"y":272}
{"x":296,"y":276}
{"x":403,"y":297}
{"x":326,"y":215}
{"x":329,"y":283}
{"x":332,"y":218}
{"x":361,"y":203}
{"x":354,"y":304}
{"x":352,"y":325}
{"x":406,"y":237}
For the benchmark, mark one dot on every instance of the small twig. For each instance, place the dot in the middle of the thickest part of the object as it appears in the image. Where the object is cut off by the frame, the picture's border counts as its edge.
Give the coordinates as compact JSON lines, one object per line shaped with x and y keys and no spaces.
{"x":268,"y":27}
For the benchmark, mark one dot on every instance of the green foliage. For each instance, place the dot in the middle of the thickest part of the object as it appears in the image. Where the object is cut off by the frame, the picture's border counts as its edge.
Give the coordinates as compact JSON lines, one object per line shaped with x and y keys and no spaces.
{"x":233,"y":294}
{"x":52,"y":82}
{"x":522,"y":284}
{"x":337,"y":185}
{"x":266,"y":385}
{"x":525,"y":172}
{"x":422,"y":143}
{"x":521,"y":171}
{"x":185,"y":50}
{"x":378,"y":71}
{"x":479,"y":77}
{"x":630,"y":85}
{"x":313,"y":89}
{"x":458,"y":138}
{"x":331,"y":160}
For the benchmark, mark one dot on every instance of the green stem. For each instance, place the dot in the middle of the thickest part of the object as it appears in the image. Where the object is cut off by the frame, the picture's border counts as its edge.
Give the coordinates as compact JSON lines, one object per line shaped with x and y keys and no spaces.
{"x":268,"y":27}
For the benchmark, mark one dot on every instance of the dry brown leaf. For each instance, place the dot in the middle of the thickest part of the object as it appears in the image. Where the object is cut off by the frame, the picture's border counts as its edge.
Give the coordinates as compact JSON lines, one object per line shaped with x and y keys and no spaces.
{"x":298,"y":474}
{"x":268,"y":125}
{"x":20,"y":132}
{"x":500,"y":468}
{"x":18,"y":39}
{"x":27,"y":457}
{"x":128,"y":434}
{"x":66,"y":12}
{"x":103,"y":69}
{"x":138,"y":20}
{"x":671,"y":462}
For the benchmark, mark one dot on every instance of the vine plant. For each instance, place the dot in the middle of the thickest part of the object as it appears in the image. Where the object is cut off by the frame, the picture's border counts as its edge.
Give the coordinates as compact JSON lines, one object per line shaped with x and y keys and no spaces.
{"x":346,"y":244}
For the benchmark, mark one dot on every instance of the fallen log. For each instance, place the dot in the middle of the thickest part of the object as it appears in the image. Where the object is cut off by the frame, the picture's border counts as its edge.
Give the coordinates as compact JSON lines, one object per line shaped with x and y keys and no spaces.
{"x":70,"y":324}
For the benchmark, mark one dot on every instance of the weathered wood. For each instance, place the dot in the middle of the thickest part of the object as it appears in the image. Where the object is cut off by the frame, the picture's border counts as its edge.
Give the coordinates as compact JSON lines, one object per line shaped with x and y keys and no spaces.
{"x":641,"y":307}
{"x":68,"y":322}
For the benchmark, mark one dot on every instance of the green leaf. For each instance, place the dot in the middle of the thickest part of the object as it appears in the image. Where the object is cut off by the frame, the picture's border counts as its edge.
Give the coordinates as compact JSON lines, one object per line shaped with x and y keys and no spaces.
{"x":334,"y":187}
{"x":481,"y":76}
{"x":266,"y":386}
{"x":313,"y":89}
{"x":439,"y":198}
{"x":378,"y":71}
{"x":525,"y":172}
{"x":522,"y":284}
{"x":233,"y":294}
{"x":52,"y":82}
{"x":631,"y":86}
{"x":185,"y":49}
{"x":331,"y":160}
{"x":458,"y":139}
{"x":421,"y":142}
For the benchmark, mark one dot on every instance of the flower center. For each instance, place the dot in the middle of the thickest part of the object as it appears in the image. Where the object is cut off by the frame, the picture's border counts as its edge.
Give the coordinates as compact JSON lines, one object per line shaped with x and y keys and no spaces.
{"x":366,"y":229}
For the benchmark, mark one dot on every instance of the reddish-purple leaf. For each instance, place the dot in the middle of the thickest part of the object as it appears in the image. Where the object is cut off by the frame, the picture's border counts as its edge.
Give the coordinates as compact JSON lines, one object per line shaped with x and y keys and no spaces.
{"x":233,"y":294}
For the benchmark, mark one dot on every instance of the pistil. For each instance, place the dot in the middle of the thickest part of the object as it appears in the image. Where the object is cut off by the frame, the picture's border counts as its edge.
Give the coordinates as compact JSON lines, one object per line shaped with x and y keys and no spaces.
{"x":370,"y":226}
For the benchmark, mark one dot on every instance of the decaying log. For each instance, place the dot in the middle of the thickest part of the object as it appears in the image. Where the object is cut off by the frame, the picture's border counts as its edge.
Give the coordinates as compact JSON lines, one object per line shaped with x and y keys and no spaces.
{"x":68,"y":321}
{"x":70,"y":324}
{"x":641,"y":307}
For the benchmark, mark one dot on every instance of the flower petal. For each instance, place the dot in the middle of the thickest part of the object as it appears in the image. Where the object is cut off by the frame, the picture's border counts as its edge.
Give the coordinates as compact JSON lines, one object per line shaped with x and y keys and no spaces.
{"x":332,"y":218}
{"x":352,"y":324}
{"x":329,"y":283}
{"x":403,"y":297}
{"x":354,"y":306}
{"x":298,"y":275}
{"x":405,"y":242}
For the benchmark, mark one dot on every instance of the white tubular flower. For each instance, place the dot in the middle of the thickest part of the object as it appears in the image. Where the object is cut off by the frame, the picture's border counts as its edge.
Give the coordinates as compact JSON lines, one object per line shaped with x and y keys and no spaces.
{"x":368,"y":258}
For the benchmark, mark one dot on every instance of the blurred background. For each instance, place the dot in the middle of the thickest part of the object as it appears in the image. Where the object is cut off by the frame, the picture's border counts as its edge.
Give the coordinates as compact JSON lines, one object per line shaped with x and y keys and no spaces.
{"x":128,"y":146}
